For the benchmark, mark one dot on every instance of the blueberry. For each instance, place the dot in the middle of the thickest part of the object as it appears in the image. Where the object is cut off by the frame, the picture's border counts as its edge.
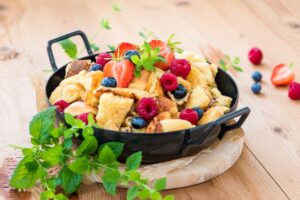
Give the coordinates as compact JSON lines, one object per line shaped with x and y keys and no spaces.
{"x":96,"y":67}
{"x":199,"y":112}
{"x":180,"y":92}
{"x":256,"y":76}
{"x":109,"y":82}
{"x":256,"y":88}
{"x":130,"y":53}
{"x":138,"y":122}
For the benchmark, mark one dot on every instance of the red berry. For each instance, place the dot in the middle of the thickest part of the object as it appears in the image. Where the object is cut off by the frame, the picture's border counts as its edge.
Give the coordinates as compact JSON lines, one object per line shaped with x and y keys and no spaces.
{"x":255,"y":56}
{"x":83,"y":117}
{"x":169,"y":81}
{"x":189,"y":115}
{"x":147,"y":108}
{"x":61,"y":105}
{"x":103,"y":58}
{"x":294,"y":90}
{"x":180,"y":67}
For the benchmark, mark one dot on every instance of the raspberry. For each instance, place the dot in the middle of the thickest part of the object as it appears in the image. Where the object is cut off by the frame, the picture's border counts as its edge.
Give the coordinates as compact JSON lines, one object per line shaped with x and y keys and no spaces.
{"x":61,"y":105}
{"x":189,"y":115}
{"x":255,"y":56}
{"x":180,"y":67}
{"x":147,"y":108}
{"x":294,"y":90}
{"x":103,"y":58}
{"x":169,"y":81}
{"x":83,"y":117}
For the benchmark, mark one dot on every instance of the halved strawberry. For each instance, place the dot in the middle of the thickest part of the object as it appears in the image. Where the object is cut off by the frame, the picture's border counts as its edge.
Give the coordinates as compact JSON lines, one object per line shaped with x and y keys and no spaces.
{"x":123,"y":47}
{"x":282,"y":75}
{"x":165,"y":51}
{"x":122,"y":71}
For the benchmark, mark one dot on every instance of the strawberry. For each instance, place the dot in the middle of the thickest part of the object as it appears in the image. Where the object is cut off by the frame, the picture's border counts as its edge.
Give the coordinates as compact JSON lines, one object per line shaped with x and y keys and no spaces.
{"x":122,"y":48}
{"x":282,"y":75}
{"x":122,"y":71}
{"x":165,"y":51}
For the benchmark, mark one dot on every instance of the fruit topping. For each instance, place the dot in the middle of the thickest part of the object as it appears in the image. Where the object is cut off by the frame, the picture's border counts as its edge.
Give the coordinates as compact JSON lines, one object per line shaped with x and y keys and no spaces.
{"x":189,"y":115}
{"x":169,"y":82}
{"x":96,"y":67}
{"x":282,"y":74}
{"x":122,"y":71}
{"x":103,"y":58}
{"x":165,"y":52}
{"x":123,"y":48}
{"x":138,"y":122}
{"x":256,"y":76}
{"x":83,"y":117}
{"x":255,"y":56}
{"x":199,"y":112}
{"x":180,"y":92}
{"x":147,"y":108}
{"x":180,"y":67}
{"x":256,"y":88}
{"x":130,"y":53}
{"x":109,"y":82}
{"x":294,"y":90}
{"x":61,"y":105}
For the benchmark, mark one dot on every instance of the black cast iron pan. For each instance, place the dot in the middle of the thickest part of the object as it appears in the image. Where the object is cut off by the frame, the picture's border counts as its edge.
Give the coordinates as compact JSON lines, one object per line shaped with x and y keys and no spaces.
{"x":165,"y":146}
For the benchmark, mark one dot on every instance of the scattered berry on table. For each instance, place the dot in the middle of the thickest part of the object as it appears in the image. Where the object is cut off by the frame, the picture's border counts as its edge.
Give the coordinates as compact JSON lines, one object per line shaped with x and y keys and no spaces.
{"x":138,"y":122}
{"x":199,"y":112}
{"x":129,"y":53}
{"x":103,"y":58}
{"x":169,"y":81}
{"x":61,"y":105}
{"x":256,"y":76}
{"x":180,"y":92}
{"x":294,"y":90}
{"x":256,"y":88}
{"x":122,"y":71}
{"x":83,"y":117}
{"x":147,"y":108}
{"x":96,"y":67}
{"x":109,"y":82}
{"x":282,"y":74}
{"x":255,"y":56}
{"x":180,"y":67}
{"x":189,"y":115}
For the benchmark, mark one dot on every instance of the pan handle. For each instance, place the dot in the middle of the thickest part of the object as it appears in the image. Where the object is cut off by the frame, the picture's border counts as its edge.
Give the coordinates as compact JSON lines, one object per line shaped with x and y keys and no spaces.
{"x":63,"y":37}
{"x":219,"y":123}
{"x":242,"y":113}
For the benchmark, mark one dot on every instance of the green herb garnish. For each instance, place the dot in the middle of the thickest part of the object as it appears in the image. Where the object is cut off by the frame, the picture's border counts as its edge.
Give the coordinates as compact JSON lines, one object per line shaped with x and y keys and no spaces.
{"x":53,"y":148}
{"x":69,"y":47}
{"x":231,"y":63}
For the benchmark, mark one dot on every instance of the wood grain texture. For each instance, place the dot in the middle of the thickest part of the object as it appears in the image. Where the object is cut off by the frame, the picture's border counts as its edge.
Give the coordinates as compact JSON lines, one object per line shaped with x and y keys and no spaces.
{"x":269,"y":166}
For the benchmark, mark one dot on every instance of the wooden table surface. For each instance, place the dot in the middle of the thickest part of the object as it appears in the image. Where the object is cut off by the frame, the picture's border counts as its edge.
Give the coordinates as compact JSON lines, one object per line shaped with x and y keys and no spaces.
{"x":270,"y":163}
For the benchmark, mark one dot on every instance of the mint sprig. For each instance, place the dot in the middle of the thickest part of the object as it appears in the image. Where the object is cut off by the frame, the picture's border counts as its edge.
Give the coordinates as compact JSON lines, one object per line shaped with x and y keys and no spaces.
{"x":53,"y":147}
{"x":231,"y":63}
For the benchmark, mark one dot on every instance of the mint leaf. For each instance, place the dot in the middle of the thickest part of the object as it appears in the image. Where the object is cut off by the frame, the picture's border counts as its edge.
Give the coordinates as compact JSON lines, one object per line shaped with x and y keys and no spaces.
{"x":53,"y":155}
{"x":105,"y":24}
{"x":111,"y":47}
{"x":237,"y":68}
{"x":117,"y":6}
{"x":41,"y":125}
{"x":89,"y":145}
{"x":26,"y":173}
{"x":169,"y":197}
{"x":135,"y":59}
{"x":80,"y":165}
{"x":143,"y":194}
{"x":112,"y":176}
{"x":91,"y":119}
{"x":142,"y":35}
{"x":94,"y":47}
{"x":106,"y":155}
{"x":70,"y":119}
{"x":60,"y":197}
{"x":160,"y":184}
{"x":116,"y":147}
{"x":134,"y":161}
{"x":110,"y":187}
{"x":45,"y":195}
{"x":236,"y":60}
{"x":67,"y":143}
{"x":222,"y":64}
{"x":155,"y":196}
{"x":133,"y":175}
{"x":70,"y":180}
{"x":69,"y":47}
{"x":132,"y":193}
